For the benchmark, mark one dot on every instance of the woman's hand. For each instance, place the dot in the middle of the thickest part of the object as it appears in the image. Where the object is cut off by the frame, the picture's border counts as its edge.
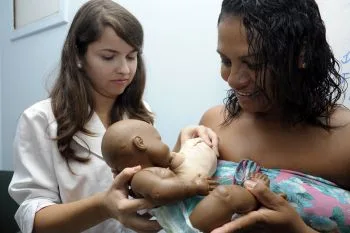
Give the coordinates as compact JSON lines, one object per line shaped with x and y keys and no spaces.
{"x":117,"y":205}
{"x":194,"y":131}
{"x":276,"y":215}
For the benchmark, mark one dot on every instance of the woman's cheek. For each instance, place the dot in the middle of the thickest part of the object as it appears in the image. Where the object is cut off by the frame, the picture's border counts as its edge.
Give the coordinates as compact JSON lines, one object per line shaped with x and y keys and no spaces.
{"x":225,"y":73}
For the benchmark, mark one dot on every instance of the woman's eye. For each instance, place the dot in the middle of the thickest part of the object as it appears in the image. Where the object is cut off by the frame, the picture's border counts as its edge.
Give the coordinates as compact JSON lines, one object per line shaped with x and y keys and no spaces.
{"x":225,"y":62}
{"x":252,"y":66}
{"x":107,"y":58}
{"x":131,"y":58}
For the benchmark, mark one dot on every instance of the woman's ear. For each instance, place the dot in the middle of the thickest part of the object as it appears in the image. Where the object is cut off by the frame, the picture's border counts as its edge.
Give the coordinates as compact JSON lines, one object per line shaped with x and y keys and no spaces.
{"x":79,"y":65}
{"x":137,"y":141}
{"x":301,"y":59}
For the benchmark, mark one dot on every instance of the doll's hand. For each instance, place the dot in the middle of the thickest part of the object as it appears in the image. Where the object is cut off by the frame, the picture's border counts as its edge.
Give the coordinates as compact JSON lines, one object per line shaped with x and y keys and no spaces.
{"x":118,"y":206}
{"x":207,"y":134}
{"x":205,"y":185}
{"x":276,"y":215}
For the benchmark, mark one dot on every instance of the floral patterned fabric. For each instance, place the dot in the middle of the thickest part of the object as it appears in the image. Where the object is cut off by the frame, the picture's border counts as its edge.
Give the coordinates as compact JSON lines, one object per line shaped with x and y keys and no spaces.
{"x":323,"y":205}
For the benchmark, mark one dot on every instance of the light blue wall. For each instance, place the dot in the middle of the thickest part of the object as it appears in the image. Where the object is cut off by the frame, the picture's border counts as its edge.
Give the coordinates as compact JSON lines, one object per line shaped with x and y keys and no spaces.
{"x":182,"y":65}
{"x":26,"y":65}
{"x":336,"y":15}
{"x":2,"y":16}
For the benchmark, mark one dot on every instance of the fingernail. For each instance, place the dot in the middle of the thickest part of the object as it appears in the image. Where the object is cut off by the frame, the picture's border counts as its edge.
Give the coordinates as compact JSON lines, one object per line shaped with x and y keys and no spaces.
{"x":249,"y":184}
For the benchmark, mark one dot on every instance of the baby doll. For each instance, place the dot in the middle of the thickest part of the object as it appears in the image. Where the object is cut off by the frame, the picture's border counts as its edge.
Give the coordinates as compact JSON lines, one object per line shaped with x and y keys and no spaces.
{"x":168,"y":177}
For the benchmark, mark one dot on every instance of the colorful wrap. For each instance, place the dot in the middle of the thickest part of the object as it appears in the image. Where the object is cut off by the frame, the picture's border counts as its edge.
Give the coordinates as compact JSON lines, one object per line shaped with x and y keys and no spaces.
{"x":321,"y":204}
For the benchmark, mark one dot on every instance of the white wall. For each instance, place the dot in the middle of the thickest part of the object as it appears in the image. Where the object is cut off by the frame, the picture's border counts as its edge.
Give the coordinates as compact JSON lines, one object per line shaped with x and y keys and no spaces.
{"x":27,"y":12}
{"x":336,"y":14}
{"x":26,"y":65}
{"x":1,"y":42}
{"x":2,"y":38}
{"x":182,"y":65}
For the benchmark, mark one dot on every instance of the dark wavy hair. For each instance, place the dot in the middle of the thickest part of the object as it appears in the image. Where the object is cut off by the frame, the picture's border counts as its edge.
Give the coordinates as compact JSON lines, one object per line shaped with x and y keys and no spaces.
{"x":279,"y":34}
{"x":71,"y":95}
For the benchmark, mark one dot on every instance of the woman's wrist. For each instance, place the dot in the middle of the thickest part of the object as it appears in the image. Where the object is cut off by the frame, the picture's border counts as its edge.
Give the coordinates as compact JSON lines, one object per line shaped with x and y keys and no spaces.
{"x":310,"y":230}
{"x":102,"y":206}
{"x":306,"y":229}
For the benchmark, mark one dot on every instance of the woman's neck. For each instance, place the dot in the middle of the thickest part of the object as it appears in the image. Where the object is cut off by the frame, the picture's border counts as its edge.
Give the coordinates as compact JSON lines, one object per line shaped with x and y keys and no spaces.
{"x":103,"y":107}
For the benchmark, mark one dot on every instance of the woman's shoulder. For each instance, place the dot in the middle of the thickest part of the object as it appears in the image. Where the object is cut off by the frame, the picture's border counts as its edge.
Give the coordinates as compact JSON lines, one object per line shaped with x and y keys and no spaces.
{"x":340,"y":142}
{"x":39,"y":109}
{"x":213,"y":116}
{"x":340,"y":116}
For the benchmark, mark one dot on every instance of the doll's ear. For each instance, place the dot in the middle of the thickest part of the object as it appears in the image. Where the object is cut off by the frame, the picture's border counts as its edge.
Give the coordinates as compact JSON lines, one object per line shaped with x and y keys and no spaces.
{"x":137,"y":141}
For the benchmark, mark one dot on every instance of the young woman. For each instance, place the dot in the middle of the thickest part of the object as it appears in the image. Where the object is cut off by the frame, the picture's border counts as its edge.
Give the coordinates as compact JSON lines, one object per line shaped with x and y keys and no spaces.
{"x":61,"y":181}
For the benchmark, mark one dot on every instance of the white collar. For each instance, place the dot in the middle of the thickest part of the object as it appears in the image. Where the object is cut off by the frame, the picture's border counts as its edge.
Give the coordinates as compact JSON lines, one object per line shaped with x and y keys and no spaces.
{"x":92,"y":142}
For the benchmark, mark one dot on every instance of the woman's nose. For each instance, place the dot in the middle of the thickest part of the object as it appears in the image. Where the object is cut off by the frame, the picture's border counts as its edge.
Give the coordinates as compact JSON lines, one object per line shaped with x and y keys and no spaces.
{"x":122,"y":66}
{"x":239,"y":79}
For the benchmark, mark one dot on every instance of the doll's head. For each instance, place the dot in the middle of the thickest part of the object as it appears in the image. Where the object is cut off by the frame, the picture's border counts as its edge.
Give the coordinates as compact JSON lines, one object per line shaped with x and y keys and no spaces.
{"x":130,"y":142}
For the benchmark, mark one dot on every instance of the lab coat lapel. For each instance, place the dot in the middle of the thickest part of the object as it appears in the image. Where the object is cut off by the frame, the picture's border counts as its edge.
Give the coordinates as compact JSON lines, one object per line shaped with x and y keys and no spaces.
{"x":92,"y":142}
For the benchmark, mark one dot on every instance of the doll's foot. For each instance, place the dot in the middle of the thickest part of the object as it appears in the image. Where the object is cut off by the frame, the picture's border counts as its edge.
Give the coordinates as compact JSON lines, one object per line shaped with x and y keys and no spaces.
{"x":212,"y":184}
{"x":205,"y":184}
{"x":261,"y":177}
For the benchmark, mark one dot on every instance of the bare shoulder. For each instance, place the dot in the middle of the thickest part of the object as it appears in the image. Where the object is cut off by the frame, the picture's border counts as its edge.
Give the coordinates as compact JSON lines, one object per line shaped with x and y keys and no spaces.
{"x":341,"y":120}
{"x":341,"y":116}
{"x":213,"y":117}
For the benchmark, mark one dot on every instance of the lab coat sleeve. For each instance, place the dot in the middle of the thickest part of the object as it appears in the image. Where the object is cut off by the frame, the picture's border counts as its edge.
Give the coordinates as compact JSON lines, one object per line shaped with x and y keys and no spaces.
{"x":34,"y":184}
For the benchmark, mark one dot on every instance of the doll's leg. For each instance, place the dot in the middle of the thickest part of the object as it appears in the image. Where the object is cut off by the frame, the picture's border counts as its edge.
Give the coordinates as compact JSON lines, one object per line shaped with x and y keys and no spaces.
{"x":218,"y":207}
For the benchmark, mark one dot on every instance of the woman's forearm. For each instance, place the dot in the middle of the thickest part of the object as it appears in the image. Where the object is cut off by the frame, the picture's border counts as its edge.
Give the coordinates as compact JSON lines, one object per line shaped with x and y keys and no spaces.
{"x":310,"y":230}
{"x":71,"y":217}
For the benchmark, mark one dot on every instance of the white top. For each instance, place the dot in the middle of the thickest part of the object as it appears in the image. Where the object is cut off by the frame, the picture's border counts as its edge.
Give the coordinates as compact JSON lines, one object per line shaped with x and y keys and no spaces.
{"x":41,"y":176}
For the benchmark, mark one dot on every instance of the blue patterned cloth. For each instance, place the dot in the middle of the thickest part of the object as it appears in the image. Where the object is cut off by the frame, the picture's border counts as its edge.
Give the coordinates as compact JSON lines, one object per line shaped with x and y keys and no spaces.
{"x":322,"y":205}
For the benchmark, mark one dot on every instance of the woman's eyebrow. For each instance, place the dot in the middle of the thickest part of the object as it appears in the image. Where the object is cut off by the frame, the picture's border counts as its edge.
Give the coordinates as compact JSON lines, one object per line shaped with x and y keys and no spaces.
{"x":243,"y":57}
{"x":248,"y":56}
{"x":115,"y":51}
{"x":220,"y":53}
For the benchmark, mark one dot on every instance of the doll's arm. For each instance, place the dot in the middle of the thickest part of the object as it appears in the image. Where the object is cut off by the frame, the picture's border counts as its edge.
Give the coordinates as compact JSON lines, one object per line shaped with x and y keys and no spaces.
{"x":162,"y":186}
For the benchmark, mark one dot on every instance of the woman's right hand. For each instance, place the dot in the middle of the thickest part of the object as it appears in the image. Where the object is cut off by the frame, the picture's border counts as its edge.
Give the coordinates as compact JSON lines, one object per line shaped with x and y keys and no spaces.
{"x":118,"y":206}
{"x":275,"y":215}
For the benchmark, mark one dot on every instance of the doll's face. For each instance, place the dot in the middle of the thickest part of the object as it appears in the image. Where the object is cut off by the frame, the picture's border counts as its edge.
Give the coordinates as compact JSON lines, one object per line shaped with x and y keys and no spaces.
{"x":143,"y":146}
{"x":157,"y":151}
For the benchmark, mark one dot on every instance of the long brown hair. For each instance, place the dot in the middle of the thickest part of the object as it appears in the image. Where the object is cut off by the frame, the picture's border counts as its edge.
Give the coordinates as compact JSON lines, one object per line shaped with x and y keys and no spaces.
{"x":71,"y":95}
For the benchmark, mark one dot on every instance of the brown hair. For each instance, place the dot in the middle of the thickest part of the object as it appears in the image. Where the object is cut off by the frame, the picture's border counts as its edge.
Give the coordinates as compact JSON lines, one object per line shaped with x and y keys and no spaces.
{"x":71,"y":95}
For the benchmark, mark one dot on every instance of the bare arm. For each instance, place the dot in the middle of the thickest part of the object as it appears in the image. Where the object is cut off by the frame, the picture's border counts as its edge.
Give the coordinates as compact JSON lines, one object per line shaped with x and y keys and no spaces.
{"x":81,"y":215}
{"x":162,"y":186}
{"x":73,"y":217}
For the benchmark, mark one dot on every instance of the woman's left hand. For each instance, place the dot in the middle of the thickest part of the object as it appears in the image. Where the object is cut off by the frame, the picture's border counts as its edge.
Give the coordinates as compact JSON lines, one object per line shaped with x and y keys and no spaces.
{"x":276,"y":215}
{"x":194,"y":131}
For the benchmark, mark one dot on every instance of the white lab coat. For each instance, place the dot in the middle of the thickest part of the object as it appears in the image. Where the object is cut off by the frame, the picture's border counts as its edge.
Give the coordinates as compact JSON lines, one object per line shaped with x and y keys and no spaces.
{"x":41,"y":176}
